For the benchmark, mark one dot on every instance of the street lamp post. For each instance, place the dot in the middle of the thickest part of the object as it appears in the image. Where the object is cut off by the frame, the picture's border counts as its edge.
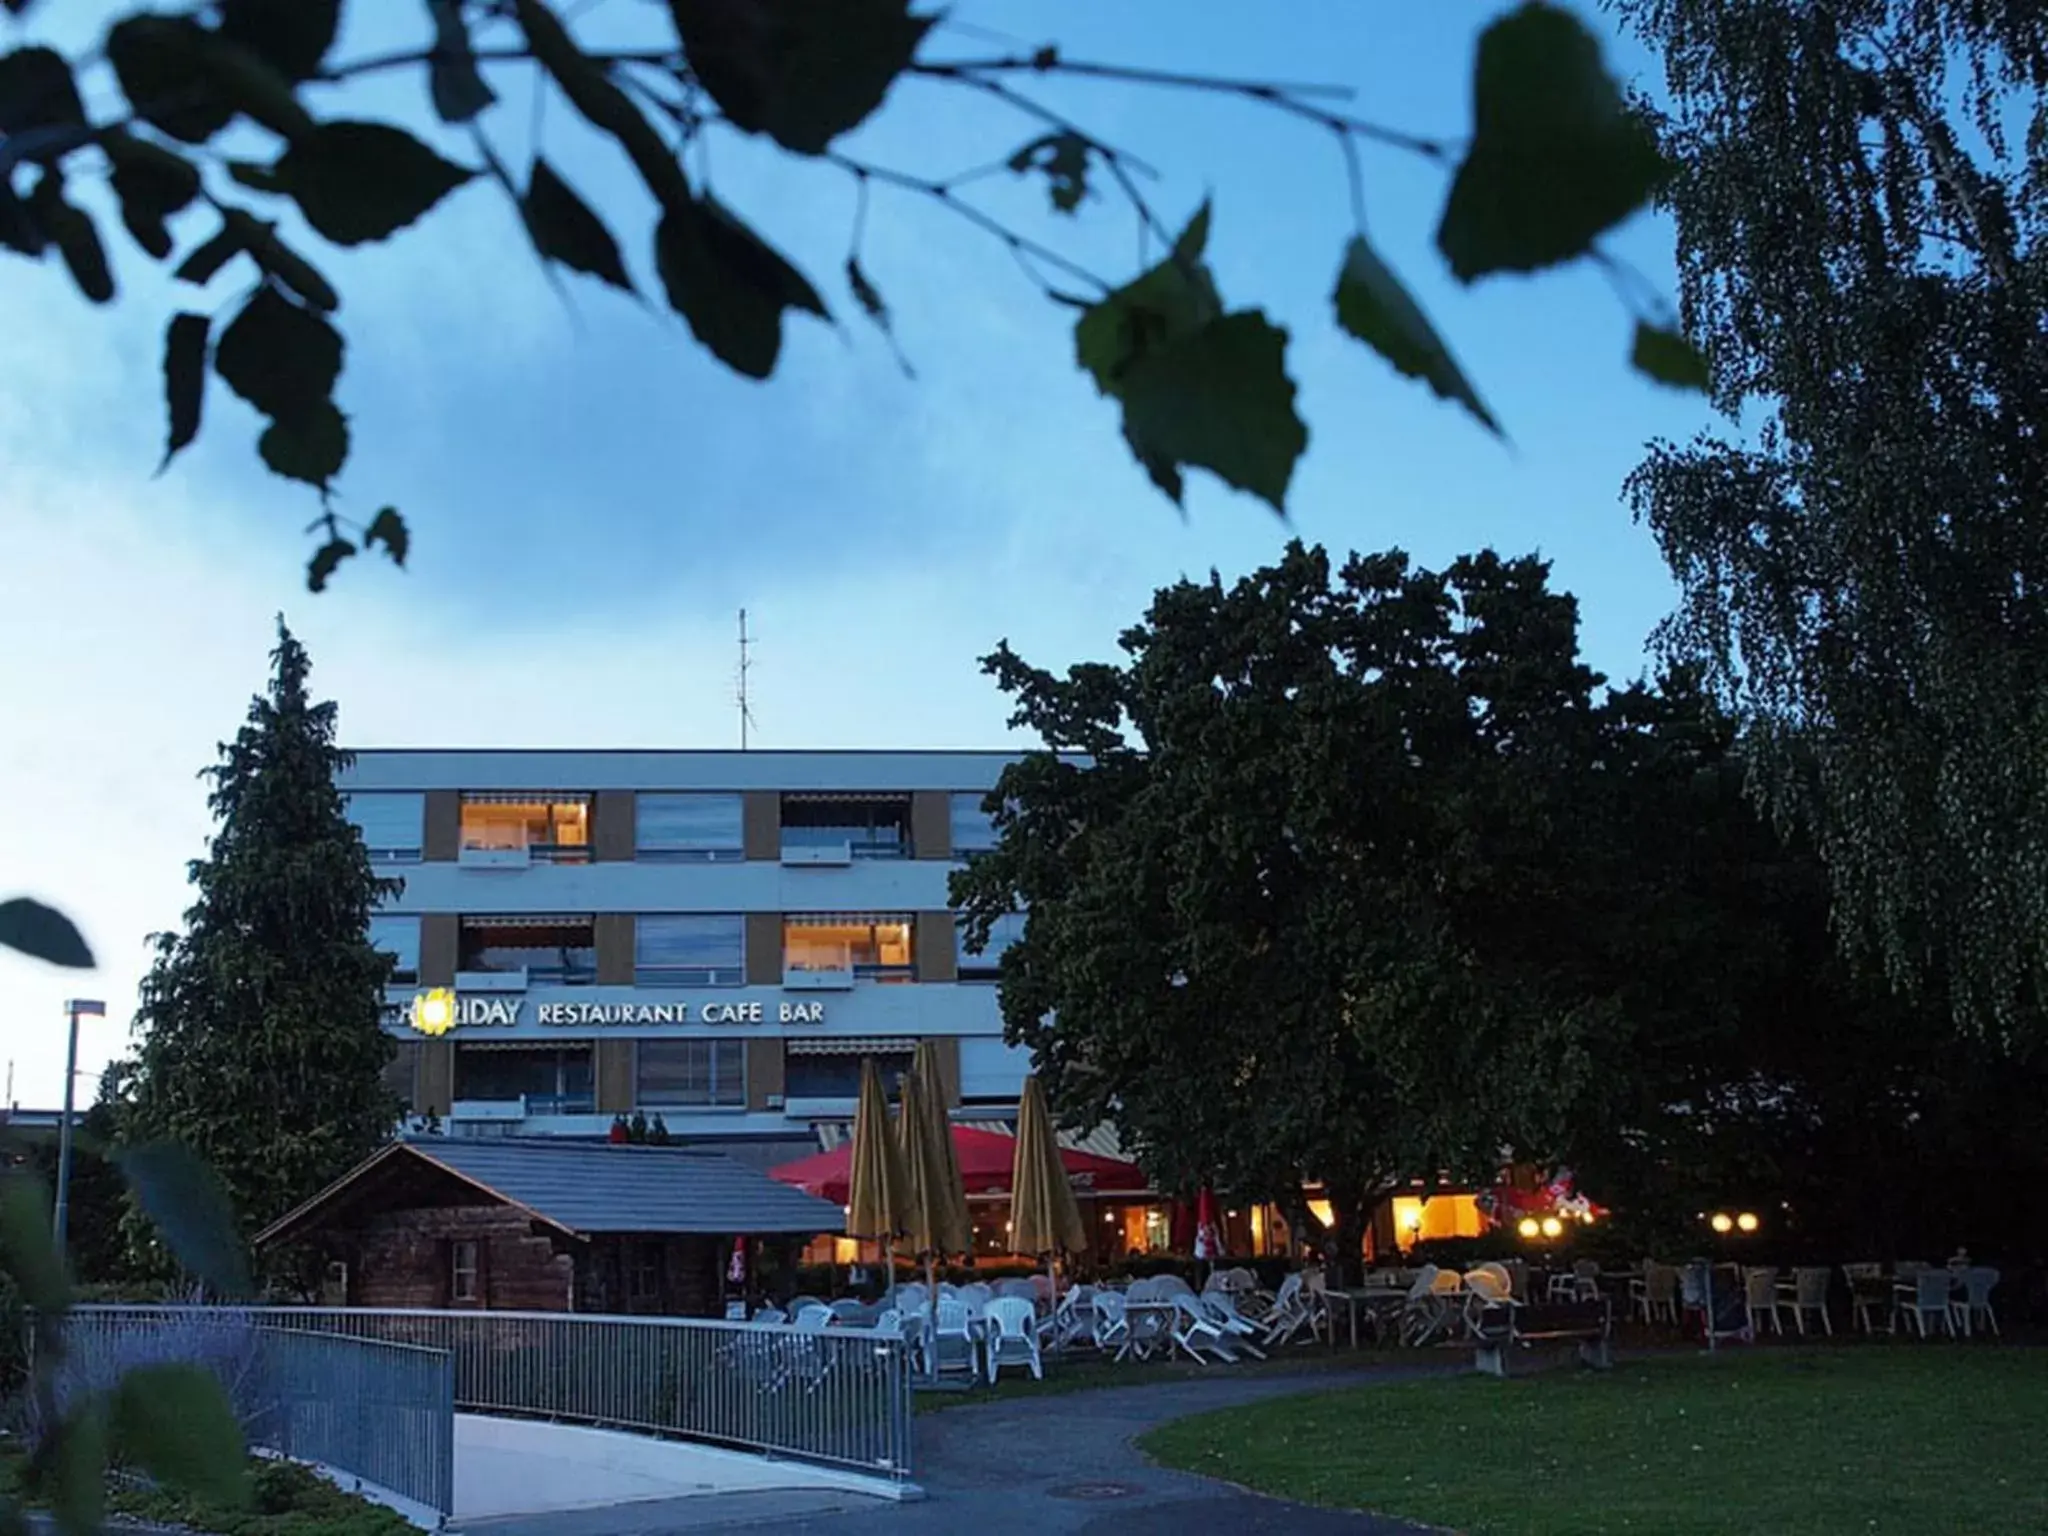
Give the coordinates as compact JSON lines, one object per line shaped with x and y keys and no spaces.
{"x":74,"y":1009}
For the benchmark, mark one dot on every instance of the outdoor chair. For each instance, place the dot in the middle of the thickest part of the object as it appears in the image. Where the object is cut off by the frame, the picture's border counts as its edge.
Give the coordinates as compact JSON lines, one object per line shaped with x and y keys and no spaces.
{"x":814,"y":1319}
{"x":978,"y":1294}
{"x":1978,"y":1282}
{"x":1290,"y":1314}
{"x":1011,"y":1336}
{"x":1869,"y":1295}
{"x":1191,"y":1329}
{"x":1433,"y":1304}
{"x":1810,"y":1294}
{"x":798,"y":1304}
{"x":951,"y":1335}
{"x":1147,"y":1330}
{"x":1018,"y":1287}
{"x":1220,"y":1307}
{"x":849,"y":1309}
{"x":1655,"y":1293}
{"x":1760,"y":1299}
{"x":1930,"y":1300}
{"x":771,"y":1315}
{"x":1073,"y":1319}
{"x":1112,"y":1329}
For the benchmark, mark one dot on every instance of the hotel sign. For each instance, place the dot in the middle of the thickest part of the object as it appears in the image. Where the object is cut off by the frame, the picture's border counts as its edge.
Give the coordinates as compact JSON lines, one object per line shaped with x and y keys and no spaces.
{"x":439,"y":1010}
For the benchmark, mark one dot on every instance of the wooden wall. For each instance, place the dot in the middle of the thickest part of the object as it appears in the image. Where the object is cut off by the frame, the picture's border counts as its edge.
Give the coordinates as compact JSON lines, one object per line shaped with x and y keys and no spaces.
{"x":402,"y":1259}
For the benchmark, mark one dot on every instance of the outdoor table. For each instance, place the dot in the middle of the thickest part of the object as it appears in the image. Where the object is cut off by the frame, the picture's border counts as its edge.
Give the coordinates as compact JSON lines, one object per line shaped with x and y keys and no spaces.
{"x":1371,"y":1297}
{"x":1164,"y":1310}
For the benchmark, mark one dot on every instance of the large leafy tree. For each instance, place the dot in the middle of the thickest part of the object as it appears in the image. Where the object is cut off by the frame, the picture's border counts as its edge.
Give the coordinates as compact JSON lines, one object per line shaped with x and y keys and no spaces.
{"x":1758,"y":1065}
{"x":262,"y":1046}
{"x":1861,"y":214}
{"x":1320,"y":897}
{"x":233,"y":151}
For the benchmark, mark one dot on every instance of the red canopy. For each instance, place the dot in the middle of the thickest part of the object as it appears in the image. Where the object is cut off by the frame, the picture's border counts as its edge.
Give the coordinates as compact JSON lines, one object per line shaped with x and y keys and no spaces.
{"x":987,"y":1159}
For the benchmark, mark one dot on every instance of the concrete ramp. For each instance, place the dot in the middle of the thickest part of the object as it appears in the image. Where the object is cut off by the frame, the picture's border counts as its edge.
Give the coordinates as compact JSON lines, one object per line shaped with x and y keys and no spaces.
{"x":508,"y":1467}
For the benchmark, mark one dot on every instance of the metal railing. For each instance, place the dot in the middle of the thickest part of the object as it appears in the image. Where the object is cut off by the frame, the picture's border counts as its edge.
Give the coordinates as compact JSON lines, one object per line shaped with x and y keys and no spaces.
{"x":376,"y":1409}
{"x":840,"y":1397}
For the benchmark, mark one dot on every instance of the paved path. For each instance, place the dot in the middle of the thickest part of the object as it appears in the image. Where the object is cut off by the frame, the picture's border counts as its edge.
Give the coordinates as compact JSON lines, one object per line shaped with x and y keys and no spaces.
{"x":1029,"y":1466}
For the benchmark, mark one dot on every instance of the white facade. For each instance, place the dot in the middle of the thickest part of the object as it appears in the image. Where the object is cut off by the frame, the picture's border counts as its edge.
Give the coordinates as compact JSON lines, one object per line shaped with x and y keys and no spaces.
{"x":714,"y":937}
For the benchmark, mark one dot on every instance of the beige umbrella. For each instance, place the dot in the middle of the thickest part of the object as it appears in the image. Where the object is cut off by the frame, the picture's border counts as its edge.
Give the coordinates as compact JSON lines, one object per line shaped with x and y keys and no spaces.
{"x":1044,"y":1216}
{"x":936,"y":1219}
{"x":878,"y":1192}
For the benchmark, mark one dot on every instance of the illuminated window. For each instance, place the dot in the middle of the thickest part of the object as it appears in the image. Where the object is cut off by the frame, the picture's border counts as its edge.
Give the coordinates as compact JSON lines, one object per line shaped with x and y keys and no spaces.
{"x":689,"y":949}
{"x":688,"y":828}
{"x":873,"y":946}
{"x":543,"y":825}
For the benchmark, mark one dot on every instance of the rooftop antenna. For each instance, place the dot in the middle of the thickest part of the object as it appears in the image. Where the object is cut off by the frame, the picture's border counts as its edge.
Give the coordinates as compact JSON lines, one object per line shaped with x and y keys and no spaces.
{"x":746,"y":664}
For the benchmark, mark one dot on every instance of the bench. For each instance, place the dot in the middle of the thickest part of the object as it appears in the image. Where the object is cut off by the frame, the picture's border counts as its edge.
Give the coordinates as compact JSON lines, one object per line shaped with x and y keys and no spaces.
{"x":1498,"y":1330}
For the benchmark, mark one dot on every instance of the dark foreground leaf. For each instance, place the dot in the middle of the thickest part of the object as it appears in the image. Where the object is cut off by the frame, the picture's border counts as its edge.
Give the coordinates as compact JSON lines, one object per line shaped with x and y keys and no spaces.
{"x":1373,"y":305}
{"x":28,"y":1252}
{"x":281,"y":358}
{"x":801,"y":71}
{"x":357,"y":182}
{"x":184,"y":380}
{"x":176,"y":1423}
{"x":730,"y":285}
{"x":565,"y":229}
{"x":1668,"y":358}
{"x":388,"y":529}
{"x":190,"y":1207}
{"x":43,"y":932}
{"x":1556,"y":156}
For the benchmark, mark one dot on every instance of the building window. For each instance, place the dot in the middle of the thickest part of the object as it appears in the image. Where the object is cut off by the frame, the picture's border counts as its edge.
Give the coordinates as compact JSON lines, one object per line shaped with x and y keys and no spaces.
{"x":548,"y":1079}
{"x":552,"y":951}
{"x":545,"y":826}
{"x":837,"y":1075}
{"x":691,"y":1074}
{"x":392,"y":825}
{"x":973,"y":829}
{"x":986,"y":966}
{"x":689,"y":949}
{"x":873,"y":946}
{"x":398,"y":937}
{"x":645,"y":1283}
{"x":463,"y":1271}
{"x":865,"y":826}
{"x":688,"y":828}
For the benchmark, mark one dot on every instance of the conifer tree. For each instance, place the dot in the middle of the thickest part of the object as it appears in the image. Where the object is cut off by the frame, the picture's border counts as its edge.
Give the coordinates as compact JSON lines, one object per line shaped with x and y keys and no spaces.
{"x":262,"y":1046}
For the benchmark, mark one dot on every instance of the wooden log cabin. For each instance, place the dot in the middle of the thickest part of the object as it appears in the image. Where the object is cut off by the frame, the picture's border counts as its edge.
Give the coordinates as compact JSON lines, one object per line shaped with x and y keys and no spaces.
{"x":542,"y":1226}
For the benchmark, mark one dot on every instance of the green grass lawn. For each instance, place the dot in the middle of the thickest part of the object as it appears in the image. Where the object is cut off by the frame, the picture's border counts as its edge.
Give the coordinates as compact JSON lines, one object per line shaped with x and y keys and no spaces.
{"x":1930,"y":1441}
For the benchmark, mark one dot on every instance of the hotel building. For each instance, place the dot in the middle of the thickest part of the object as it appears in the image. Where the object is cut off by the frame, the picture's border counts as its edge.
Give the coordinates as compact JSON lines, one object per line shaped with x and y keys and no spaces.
{"x":713,"y":937}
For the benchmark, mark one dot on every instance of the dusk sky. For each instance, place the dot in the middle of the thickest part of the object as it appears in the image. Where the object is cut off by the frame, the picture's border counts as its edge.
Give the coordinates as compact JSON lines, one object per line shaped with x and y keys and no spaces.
{"x":592,"y":498}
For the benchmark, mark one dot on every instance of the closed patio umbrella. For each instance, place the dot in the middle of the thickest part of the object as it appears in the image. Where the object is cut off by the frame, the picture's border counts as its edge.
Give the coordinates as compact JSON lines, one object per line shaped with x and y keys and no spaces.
{"x":936,"y":1221}
{"x":1044,"y":1216}
{"x":878,"y":1188}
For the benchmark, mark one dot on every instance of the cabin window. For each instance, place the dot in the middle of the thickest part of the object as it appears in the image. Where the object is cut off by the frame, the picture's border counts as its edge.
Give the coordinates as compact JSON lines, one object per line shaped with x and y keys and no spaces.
{"x":462,"y":1271}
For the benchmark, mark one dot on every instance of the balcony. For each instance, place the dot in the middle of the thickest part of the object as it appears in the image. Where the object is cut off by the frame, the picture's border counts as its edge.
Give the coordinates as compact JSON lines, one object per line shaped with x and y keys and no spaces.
{"x":835,"y":830}
{"x":491,"y":981}
{"x":511,"y":953}
{"x":516,"y":831}
{"x":494,"y":858}
{"x":819,"y":979}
